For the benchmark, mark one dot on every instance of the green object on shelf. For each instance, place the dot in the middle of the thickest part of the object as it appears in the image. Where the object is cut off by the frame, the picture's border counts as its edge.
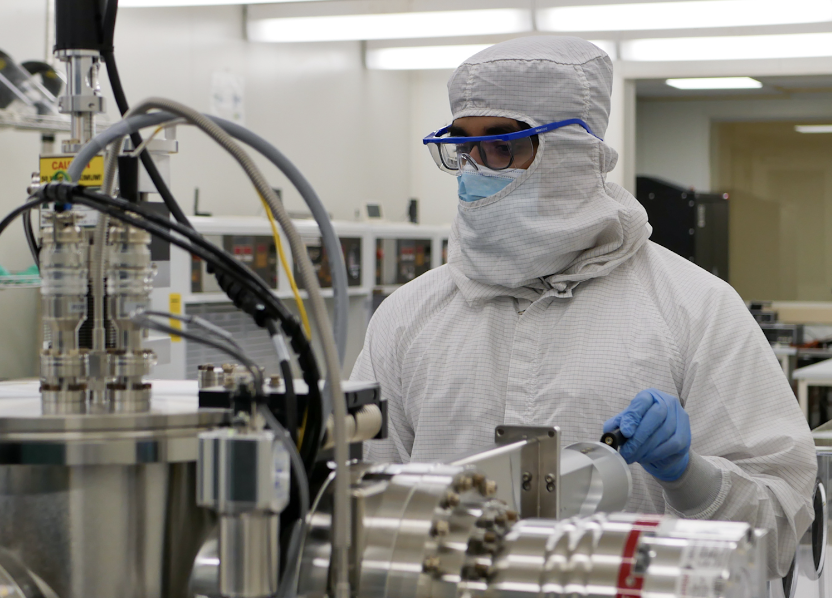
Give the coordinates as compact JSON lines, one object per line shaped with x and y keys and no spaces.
{"x":4,"y":272}
{"x":30,"y":271}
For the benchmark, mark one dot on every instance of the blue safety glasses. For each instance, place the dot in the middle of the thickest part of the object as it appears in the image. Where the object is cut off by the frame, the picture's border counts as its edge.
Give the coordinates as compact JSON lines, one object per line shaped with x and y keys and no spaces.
{"x":496,"y":152}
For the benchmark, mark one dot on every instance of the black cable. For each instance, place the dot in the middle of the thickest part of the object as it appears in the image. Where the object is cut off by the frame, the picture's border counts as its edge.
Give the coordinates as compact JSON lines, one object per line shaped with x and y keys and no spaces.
{"x":30,"y":238}
{"x":108,"y":54}
{"x":249,"y":281}
{"x":290,"y":399}
{"x":32,"y":203}
{"x":244,"y":279}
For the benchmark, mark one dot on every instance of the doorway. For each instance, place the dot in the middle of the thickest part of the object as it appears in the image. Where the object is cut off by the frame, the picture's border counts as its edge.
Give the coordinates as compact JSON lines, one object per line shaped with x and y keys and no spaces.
{"x":780,"y":186}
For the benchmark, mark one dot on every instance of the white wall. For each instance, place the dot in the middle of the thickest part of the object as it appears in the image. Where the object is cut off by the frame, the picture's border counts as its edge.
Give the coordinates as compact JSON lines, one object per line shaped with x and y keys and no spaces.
{"x":673,"y":138}
{"x":21,"y":35}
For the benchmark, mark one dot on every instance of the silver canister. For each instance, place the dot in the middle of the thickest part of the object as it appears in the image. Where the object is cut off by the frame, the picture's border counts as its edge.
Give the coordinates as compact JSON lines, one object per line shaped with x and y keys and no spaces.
{"x":64,"y":366}
{"x":130,"y":275}
{"x":243,"y":475}
{"x":104,"y":504}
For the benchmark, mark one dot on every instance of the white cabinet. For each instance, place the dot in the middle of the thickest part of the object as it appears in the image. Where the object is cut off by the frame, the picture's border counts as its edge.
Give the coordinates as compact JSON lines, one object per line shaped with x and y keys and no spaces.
{"x":379,"y":258}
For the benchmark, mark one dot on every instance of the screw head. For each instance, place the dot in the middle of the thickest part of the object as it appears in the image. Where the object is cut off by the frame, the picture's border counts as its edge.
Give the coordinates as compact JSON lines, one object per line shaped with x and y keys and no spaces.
{"x":550,"y":479}
{"x":550,"y":487}
{"x":527,"y":486}
{"x":527,"y":476}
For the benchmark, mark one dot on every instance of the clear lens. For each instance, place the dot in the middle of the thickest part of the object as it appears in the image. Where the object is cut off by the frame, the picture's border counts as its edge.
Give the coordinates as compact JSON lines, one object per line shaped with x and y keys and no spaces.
{"x":496,"y":155}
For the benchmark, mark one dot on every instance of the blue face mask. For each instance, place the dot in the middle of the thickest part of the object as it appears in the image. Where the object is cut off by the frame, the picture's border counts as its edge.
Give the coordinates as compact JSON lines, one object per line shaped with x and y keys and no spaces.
{"x":474,"y":185}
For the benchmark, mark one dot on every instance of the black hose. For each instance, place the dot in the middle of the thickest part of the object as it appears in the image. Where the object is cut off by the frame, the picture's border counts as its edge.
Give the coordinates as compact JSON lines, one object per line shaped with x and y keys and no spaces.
{"x":108,"y":54}
{"x":32,"y":203}
{"x":30,"y":238}
{"x":268,"y":307}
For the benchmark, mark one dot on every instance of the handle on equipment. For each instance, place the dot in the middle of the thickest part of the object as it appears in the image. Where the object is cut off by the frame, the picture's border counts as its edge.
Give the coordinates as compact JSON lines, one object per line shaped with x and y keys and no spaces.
{"x":614,"y":439}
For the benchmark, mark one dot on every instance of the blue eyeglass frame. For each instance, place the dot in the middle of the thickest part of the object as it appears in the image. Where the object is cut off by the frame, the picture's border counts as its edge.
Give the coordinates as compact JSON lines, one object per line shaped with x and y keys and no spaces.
{"x":436,"y":136}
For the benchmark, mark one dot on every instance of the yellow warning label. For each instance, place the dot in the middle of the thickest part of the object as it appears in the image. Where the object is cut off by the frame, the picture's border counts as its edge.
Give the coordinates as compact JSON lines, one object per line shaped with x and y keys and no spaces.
{"x":175,"y":307}
{"x":54,"y":168}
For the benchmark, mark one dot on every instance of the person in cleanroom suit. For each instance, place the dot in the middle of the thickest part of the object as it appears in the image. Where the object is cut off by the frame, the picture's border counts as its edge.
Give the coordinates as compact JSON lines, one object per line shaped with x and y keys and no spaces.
{"x":555,"y":309}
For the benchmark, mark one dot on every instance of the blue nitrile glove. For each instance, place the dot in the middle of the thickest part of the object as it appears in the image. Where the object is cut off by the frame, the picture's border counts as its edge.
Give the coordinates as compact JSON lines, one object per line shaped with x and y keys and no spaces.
{"x":658,"y":430}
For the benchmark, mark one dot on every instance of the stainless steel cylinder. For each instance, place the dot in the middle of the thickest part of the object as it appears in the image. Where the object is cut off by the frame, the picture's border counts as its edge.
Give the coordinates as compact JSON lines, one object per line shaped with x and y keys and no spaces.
{"x":64,"y":367}
{"x":103,"y":505}
{"x":208,"y":376}
{"x":129,"y":284}
{"x":249,"y":555}
{"x":429,"y":531}
{"x":82,"y":96}
{"x":243,"y":475}
{"x":593,"y":479}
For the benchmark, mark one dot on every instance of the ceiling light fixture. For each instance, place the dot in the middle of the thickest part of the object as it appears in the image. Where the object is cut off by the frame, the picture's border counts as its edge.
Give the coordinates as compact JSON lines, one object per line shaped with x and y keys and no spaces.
{"x":813,"y":128}
{"x":420,"y":57}
{"x":715,"y":83}
{"x":434,"y":57}
{"x":683,"y":15}
{"x":390,"y":26}
{"x":746,"y":47}
{"x":171,"y":3}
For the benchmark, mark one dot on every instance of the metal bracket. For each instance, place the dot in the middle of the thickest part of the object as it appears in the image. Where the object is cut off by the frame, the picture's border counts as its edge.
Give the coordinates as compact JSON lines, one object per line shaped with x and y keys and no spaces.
{"x":507,"y":434}
{"x":540,"y":463}
{"x":525,"y":463}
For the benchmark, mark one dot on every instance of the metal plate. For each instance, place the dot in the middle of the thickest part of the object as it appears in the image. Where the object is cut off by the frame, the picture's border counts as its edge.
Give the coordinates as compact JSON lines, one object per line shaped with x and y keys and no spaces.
{"x":174,"y":404}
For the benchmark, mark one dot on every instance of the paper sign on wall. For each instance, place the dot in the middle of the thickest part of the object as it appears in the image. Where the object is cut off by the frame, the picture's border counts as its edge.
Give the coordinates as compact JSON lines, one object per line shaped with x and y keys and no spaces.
{"x":227,"y":97}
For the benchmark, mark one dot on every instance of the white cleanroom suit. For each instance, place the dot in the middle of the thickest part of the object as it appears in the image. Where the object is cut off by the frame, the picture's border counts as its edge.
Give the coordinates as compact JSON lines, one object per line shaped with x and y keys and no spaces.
{"x":555,"y":309}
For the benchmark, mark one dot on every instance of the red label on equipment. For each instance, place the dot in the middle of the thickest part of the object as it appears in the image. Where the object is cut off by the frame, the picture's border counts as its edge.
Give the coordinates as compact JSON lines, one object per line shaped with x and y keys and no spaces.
{"x":629,"y":583}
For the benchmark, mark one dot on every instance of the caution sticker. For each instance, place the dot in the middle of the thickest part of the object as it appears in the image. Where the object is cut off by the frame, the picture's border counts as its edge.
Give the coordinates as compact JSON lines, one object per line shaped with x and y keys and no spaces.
{"x":54,"y":169}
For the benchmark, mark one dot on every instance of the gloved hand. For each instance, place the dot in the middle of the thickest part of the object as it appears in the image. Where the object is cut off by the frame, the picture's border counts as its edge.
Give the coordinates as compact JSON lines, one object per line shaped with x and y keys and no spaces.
{"x":658,"y":432}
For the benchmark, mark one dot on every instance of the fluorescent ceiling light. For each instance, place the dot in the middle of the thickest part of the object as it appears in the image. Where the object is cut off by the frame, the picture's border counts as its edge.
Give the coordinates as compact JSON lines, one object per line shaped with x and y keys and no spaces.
{"x":420,"y":57}
{"x":813,"y":128}
{"x":715,"y":83}
{"x":390,"y":26}
{"x":164,"y":3}
{"x":432,"y":57}
{"x":798,"y":45}
{"x":683,"y":15}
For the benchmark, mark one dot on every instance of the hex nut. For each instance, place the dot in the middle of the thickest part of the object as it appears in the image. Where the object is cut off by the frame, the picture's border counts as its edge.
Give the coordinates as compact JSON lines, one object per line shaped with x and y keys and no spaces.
{"x":489,"y":488}
{"x":464,"y":484}
{"x":482,"y":569}
{"x":430,"y":564}
{"x":451,"y":500}
{"x":440,"y":528}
